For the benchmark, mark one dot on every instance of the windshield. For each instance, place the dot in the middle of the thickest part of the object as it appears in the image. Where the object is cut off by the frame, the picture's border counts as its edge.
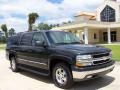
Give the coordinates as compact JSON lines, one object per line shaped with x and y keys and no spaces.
{"x":61,"y":37}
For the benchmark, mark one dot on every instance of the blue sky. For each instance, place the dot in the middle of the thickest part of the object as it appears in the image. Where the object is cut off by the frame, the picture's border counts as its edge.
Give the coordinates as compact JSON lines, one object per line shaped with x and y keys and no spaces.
{"x":14,"y":12}
{"x":55,"y":1}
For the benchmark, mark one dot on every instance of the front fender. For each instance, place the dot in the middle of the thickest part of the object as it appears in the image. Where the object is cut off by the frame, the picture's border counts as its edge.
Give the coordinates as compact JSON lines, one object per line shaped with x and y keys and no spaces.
{"x":67,"y":59}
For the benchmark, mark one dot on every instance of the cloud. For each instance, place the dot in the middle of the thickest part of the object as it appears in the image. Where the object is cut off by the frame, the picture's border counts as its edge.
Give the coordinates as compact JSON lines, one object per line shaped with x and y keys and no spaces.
{"x":14,"y":12}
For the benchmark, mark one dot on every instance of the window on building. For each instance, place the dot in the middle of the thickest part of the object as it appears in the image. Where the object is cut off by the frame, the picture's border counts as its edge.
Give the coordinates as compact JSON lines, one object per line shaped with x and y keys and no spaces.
{"x":108,"y":14}
{"x":95,"y":36}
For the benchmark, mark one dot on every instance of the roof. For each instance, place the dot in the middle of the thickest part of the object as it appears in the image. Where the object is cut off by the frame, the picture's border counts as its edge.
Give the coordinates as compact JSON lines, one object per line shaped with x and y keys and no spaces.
{"x":85,"y":14}
{"x":90,"y":16}
{"x":21,"y":33}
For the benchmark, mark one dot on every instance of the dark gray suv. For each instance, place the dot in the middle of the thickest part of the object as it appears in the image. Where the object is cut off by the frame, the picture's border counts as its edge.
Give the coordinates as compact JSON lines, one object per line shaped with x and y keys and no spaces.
{"x":58,"y":54}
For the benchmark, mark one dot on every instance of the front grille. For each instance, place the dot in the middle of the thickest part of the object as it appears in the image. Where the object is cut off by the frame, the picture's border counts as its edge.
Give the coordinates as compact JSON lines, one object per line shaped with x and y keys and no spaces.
{"x":101,"y":58}
{"x":100,"y":55}
{"x":101,"y":62}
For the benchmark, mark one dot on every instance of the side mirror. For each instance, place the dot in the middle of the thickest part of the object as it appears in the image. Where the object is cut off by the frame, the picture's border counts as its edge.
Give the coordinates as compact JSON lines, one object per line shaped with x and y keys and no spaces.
{"x":40,"y":43}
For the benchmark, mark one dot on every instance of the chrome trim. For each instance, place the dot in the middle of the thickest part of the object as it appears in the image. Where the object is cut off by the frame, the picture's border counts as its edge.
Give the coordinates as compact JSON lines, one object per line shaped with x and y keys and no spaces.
{"x":104,"y":58}
{"x":101,"y":58}
{"x":102,"y":53}
{"x":81,"y":75}
{"x":32,"y":62}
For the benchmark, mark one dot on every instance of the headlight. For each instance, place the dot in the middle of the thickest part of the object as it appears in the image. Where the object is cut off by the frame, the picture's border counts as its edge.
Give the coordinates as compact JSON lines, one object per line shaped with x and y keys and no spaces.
{"x":83,"y":57}
{"x":83,"y":60}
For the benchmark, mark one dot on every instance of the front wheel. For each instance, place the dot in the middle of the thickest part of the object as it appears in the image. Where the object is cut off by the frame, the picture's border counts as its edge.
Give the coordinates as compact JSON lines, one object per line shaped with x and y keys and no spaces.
{"x":13,"y":64}
{"x":62,"y":76}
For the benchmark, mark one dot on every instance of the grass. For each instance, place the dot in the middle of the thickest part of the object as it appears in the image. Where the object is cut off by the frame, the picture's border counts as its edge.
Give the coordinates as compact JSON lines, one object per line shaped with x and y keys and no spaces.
{"x":2,"y":46}
{"x":115,"y":51}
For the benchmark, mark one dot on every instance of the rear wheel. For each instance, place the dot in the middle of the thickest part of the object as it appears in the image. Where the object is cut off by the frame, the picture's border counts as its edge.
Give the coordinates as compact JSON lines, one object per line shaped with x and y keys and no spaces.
{"x":62,"y":76}
{"x":13,"y":64}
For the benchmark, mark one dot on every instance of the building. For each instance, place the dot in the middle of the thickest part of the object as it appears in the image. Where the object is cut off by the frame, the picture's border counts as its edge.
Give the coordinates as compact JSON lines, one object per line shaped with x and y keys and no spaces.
{"x":103,"y":26}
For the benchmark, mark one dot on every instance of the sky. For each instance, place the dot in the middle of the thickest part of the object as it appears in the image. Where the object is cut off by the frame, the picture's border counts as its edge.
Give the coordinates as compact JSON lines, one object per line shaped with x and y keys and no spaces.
{"x":14,"y":13}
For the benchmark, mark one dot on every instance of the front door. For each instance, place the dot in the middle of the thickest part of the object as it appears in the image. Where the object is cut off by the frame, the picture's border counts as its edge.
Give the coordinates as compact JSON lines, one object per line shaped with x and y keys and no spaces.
{"x":39,"y":54}
{"x":113,"y":36}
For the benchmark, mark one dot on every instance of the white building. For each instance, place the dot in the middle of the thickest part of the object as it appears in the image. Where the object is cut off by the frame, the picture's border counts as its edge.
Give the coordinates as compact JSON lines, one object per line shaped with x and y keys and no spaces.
{"x":103,"y":26}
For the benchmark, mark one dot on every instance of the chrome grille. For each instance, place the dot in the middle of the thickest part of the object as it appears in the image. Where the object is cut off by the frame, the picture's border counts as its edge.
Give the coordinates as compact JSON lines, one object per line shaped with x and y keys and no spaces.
{"x":101,"y":58}
{"x":100,"y":55}
{"x":100,"y":62}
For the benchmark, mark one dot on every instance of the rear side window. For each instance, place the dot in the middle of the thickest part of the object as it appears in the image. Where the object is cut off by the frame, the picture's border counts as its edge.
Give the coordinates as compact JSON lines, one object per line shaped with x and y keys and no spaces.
{"x":26,"y":39}
{"x":12,"y":40}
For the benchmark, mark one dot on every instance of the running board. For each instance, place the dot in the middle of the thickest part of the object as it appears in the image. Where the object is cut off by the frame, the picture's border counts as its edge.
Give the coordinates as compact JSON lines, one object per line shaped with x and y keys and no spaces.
{"x":33,"y":71}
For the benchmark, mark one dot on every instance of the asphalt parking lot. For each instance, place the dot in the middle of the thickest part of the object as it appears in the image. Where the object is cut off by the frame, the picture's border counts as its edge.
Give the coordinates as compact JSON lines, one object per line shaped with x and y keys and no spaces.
{"x":28,"y":81}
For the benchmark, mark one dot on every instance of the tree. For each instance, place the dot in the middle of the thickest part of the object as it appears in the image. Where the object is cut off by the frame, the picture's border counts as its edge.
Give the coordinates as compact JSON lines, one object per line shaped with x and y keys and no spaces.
{"x":69,"y":21}
{"x":64,"y":23}
{"x":5,"y":30}
{"x":11,"y":32}
{"x":57,"y":25}
{"x":43,"y":26}
{"x":32,"y":17}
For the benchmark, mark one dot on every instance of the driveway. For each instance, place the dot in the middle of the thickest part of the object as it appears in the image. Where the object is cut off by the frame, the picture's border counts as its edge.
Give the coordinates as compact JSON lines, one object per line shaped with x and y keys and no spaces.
{"x":28,"y":81}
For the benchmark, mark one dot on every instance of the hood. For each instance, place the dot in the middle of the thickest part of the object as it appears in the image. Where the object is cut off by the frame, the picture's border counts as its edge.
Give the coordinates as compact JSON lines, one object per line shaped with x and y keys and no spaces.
{"x":83,"y":49}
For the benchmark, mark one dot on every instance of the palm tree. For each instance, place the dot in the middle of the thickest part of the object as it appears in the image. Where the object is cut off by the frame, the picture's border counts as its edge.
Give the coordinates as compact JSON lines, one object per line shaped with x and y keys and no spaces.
{"x":32,"y":17}
{"x":5,"y":30}
{"x":11,"y":32}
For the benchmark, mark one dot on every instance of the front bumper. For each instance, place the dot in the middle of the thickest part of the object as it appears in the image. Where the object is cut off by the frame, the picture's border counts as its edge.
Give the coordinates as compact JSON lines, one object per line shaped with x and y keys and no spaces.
{"x":79,"y":75}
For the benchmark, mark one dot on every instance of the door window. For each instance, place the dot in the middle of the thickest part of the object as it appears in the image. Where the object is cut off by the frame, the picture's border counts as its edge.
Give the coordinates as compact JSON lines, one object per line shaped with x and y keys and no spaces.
{"x":38,"y":38}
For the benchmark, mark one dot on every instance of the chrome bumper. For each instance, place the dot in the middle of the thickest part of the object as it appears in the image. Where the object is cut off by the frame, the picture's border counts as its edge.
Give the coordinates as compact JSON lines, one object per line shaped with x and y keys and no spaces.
{"x":89,"y":74}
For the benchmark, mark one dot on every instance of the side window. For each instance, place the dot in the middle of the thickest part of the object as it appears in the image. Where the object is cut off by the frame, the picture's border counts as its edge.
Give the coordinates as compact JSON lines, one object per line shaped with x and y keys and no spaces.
{"x":38,"y":38}
{"x":26,"y":39}
{"x":12,"y":40}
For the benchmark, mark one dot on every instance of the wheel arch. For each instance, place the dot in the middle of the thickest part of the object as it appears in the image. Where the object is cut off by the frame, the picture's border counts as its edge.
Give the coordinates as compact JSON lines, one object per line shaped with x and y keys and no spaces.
{"x":12,"y":54}
{"x":55,"y":60}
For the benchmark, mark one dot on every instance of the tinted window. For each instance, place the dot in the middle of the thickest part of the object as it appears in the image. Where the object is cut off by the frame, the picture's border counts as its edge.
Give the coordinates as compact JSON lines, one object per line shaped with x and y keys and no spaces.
{"x":26,"y":39}
{"x":38,"y":37}
{"x":12,"y":40}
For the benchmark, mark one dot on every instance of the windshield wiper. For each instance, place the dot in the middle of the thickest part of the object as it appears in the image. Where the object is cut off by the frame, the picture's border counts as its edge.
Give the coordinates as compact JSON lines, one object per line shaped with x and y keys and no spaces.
{"x":62,"y":43}
{"x":75,"y":43}
{"x":69,"y":43}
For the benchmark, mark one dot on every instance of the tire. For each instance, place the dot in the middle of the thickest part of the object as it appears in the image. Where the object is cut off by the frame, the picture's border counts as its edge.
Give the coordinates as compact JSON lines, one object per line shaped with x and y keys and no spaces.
{"x":62,"y":76}
{"x":13,"y":64}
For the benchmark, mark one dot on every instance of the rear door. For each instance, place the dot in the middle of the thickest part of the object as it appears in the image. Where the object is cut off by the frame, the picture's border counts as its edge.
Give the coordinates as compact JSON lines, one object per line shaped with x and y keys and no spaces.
{"x":24,"y":49}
